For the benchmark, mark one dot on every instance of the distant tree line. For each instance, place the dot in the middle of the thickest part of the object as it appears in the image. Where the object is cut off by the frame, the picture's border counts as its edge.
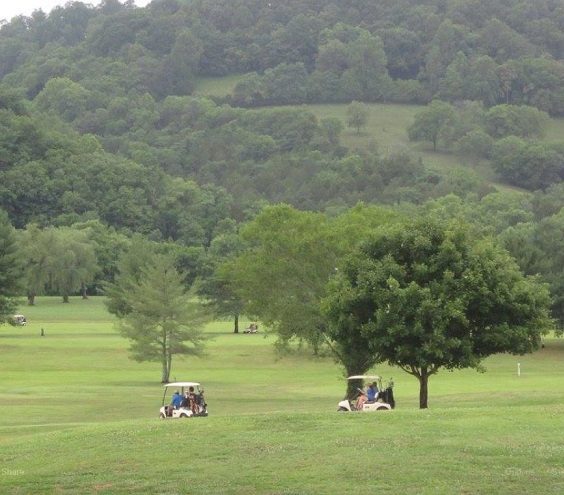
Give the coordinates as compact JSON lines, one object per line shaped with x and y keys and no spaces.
{"x":83,"y":258}
{"x":295,"y":51}
{"x":191,"y":165}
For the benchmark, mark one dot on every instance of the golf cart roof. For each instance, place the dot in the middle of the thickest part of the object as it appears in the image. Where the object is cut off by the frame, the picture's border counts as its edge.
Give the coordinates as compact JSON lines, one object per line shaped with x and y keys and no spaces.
{"x":364,"y":377}
{"x":182,"y":384}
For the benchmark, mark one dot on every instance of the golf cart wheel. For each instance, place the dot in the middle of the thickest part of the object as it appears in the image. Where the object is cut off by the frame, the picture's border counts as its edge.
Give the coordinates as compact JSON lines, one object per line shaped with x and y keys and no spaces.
{"x":382,"y":408}
{"x":183,"y":415}
{"x":342,"y":409}
{"x":162,"y":416}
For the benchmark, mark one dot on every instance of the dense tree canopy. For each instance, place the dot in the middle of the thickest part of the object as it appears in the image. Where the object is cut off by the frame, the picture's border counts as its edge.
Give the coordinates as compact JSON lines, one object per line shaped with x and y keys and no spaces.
{"x":283,"y":275}
{"x":502,"y":52}
{"x":427,"y":295}
{"x":213,"y":284}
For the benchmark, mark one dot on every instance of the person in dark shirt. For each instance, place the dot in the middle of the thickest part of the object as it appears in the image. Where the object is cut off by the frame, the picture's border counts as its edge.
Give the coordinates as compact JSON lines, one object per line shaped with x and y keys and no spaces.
{"x":190,"y":400}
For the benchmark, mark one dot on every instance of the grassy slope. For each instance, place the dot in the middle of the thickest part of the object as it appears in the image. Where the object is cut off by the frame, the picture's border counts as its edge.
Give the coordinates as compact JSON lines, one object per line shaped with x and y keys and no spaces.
{"x":387,"y":126}
{"x":79,"y":417}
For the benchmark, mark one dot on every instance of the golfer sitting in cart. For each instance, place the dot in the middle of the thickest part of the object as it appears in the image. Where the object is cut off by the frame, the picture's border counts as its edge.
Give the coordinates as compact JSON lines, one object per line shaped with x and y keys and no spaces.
{"x":176,"y":399}
{"x":372,"y":399}
{"x":368,"y":397}
{"x":191,"y":402}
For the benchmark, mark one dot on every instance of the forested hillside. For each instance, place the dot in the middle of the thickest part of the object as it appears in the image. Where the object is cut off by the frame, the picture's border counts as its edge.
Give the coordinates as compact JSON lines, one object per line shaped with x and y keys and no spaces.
{"x":126,"y":75}
{"x":101,"y":126}
{"x":502,"y":51}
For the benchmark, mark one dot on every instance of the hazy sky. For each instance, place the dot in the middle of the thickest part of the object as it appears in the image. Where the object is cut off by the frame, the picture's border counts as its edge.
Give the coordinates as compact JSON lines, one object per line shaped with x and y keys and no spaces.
{"x":13,"y":8}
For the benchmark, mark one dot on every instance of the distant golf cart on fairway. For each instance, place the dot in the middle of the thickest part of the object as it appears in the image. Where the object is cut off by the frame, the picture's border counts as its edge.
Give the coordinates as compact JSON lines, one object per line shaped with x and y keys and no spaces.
{"x":252,"y":328}
{"x":19,"y":320}
{"x":384,"y":400}
{"x":185,"y":400}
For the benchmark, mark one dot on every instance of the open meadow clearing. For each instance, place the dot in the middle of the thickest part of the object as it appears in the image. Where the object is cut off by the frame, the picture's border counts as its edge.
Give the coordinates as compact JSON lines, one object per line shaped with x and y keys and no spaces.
{"x":79,"y":417}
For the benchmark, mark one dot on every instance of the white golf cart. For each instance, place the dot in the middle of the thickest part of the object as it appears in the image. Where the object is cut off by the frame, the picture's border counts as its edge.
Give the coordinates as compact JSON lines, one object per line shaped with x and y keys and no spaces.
{"x":19,"y":320}
{"x":191,"y":402}
{"x":252,"y":328}
{"x":384,"y":398}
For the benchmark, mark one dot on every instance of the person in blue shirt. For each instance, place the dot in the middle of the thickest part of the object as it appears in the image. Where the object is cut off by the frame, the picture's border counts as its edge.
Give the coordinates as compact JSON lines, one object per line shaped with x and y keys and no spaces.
{"x":176,"y":399}
{"x":372,"y":392}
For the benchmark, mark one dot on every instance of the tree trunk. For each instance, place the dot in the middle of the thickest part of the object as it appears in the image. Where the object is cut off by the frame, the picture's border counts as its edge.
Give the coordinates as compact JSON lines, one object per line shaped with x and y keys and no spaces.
{"x":236,"y":324}
{"x":167,"y":358}
{"x":65,"y":298}
{"x":352,"y":388}
{"x":423,"y":388}
{"x":165,"y":374}
{"x":354,"y":385}
{"x":31,"y":299}
{"x":83,"y":290}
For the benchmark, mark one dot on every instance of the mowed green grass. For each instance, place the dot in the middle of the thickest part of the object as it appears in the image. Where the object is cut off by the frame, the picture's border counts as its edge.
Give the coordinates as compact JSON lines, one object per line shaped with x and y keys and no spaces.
{"x":78,"y":416}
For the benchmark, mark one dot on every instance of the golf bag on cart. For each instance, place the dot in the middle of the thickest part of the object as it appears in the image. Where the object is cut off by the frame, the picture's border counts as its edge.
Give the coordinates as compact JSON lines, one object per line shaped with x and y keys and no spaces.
{"x":387,"y":395}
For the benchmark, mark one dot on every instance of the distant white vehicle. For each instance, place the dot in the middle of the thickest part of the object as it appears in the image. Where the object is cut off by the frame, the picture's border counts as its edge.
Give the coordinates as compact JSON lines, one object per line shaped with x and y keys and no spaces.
{"x":192,"y":403}
{"x":384,"y":399}
{"x":20,"y":320}
{"x":252,"y":328}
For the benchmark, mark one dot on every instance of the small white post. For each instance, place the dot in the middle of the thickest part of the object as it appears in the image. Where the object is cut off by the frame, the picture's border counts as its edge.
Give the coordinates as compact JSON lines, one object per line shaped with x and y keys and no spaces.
{"x":518,"y":369}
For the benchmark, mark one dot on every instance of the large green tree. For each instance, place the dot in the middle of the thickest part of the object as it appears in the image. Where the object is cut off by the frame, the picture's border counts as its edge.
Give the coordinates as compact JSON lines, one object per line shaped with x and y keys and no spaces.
{"x":283,"y":274}
{"x":63,"y":97}
{"x":36,"y":244}
{"x":357,"y":115}
{"x":367,"y":76}
{"x":515,"y":120}
{"x":539,"y":249}
{"x":214,"y":286}
{"x":427,"y":295}
{"x":162,"y":319}
{"x":432,"y":122}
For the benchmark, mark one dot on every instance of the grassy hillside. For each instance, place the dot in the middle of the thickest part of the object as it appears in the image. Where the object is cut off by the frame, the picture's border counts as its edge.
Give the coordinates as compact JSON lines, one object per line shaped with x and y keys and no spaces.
{"x":79,"y":417}
{"x":387,"y":127}
{"x":387,"y":124}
